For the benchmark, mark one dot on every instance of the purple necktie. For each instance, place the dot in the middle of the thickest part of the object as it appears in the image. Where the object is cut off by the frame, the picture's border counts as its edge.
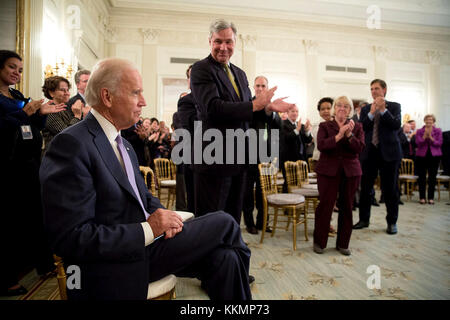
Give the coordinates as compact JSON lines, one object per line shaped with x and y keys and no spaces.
{"x":129,"y":170}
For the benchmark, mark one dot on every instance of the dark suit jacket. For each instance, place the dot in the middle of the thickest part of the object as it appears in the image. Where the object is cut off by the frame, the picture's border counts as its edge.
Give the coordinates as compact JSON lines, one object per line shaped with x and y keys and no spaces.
{"x":290,"y":147}
{"x":405,"y":144}
{"x":92,"y":215}
{"x":389,"y":124}
{"x":219,"y":107}
{"x":74,"y":99}
{"x":137,"y":143}
{"x":344,"y":154}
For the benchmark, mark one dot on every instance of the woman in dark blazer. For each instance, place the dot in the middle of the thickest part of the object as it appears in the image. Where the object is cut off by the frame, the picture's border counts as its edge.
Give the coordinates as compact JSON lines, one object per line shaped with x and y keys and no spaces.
{"x":428,"y":154}
{"x":22,"y":240}
{"x":339,"y":141}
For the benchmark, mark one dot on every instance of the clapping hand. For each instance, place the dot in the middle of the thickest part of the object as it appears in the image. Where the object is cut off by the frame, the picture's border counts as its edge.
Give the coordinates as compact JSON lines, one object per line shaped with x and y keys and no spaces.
{"x":350,"y":125}
{"x":308,"y":126}
{"x":141,"y":132}
{"x":44,"y":109}
{"x":279,"y":105}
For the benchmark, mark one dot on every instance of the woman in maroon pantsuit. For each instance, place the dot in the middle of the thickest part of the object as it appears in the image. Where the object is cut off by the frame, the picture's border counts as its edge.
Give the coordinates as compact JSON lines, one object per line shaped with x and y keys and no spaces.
{"x":339,"y":141}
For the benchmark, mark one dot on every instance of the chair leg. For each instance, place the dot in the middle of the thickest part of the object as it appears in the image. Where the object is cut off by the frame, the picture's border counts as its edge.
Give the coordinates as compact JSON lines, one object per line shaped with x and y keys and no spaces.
{"x":294,"y":229}
{"x":439,"y":190}
{"x":275,"y":218}
{"x":263,"y":231}
{"x":306,"y":224}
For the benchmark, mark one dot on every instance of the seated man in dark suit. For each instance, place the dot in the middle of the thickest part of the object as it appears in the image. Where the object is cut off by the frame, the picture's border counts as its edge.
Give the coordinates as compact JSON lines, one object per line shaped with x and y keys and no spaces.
{"x":100,"y":216}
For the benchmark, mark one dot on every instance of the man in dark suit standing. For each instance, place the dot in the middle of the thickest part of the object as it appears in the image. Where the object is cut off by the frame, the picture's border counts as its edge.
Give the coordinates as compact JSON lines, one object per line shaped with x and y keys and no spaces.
{"x":265,"y":122}
{"x":101,"y":217}
{"x":294,"y":137}
{"x":223,"y":101}
{"x":381,"y":121}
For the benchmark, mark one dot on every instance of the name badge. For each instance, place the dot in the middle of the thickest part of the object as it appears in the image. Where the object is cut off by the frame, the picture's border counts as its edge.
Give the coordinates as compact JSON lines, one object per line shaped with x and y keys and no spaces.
{"x":26,"y":132}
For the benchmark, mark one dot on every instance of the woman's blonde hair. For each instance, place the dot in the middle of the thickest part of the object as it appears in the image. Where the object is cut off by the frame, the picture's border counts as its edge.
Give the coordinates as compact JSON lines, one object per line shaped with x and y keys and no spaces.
{"x":343,"y":98}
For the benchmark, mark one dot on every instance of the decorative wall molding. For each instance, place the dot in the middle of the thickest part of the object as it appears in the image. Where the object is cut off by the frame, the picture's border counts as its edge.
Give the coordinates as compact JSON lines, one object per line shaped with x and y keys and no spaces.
{"x":248,"y":41}
{"x":434,"y":57}
{"x":311,"y":47}
{"x":381,"y":53}
{"x":111,"y":34}
{"x":150,"y":35}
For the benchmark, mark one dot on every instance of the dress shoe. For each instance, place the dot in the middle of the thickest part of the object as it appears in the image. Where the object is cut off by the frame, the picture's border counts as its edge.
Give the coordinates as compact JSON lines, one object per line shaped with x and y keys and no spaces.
{"x":14,"y":292}
{"x":251,"y":279}
{"x":422,"y":201}
{"x":268,"y":230}
{"x":391,"y":229}
{"x":400,"y":202}
{"x":345,"y":252}
{"x":252,"y":230}
{"x":431,"y":201}
{"x":360,"y":225}
{"x":375,"y":203}
{"x":317,"y":249}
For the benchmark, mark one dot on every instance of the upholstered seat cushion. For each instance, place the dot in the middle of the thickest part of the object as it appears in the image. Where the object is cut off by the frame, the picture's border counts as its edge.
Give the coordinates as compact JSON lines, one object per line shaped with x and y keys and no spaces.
{"x":280,"y":182}
{"x":186,"y":216}
{"x":408,"y":177}
{"x":312,"y":181}
{"x":443,"y":178}
{"x":306,"y":192}
{"x":312,"y":175}
{"x":168,"y":183}
{"x":162,"y":286}
{"x":281,"y":199}
{"x":309,"y":186}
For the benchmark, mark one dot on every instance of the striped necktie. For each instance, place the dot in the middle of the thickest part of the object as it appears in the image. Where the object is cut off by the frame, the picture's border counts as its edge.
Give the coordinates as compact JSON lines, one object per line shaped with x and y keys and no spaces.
{"x":376,"y":122}
{"x":230,"y":76}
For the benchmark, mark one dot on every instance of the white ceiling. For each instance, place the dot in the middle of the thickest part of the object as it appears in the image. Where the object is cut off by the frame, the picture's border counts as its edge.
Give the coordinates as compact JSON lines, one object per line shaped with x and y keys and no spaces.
{"x":427,"y":13}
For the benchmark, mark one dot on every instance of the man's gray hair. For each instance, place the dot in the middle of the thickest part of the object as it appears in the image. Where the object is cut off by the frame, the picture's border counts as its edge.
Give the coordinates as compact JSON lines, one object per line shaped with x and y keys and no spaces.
{"x":221,"y":24}
{"x":107,"y":73}
{"x":79,"y":74}
{"x":262,"y":77}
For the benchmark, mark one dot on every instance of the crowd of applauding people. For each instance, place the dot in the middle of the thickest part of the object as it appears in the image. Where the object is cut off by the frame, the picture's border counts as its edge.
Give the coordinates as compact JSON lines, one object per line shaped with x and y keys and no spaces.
{"x":71,"y":167}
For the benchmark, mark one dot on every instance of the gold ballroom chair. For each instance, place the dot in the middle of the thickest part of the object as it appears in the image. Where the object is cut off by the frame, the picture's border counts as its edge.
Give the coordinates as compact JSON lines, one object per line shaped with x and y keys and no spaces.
{"x":442,"y":179}
{"x":165,"y":176}
{"x":406,"y":176}
{"x":292,"y":203}
{"x":297,"y":178}
{"x":149,"y":178}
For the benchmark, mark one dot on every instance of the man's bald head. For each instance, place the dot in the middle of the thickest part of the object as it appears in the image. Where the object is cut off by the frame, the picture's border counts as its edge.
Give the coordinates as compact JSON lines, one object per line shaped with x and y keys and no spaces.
{"x":107,"y":73}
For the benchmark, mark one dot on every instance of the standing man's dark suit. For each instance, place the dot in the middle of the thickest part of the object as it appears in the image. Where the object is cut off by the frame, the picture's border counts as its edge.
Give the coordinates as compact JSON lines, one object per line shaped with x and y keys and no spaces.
{"x":261,"y":121}
{"x":294,"y":145}
{"x":95,"y":219}
{"x":220,"y":186}
{"x":187,"y":114}
{"x":385,"y":158}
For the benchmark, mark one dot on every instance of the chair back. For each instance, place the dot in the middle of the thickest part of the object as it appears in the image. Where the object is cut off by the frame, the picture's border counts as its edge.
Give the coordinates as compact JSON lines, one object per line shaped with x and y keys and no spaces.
{"x":61,"y":276}
{"x":292,"y":175}
{"x":303,"y":170}
{"x":407,"y":167}
{"x":268,"y":179}
{"x":163,"y":169}
{"x":312,"y":164}
{"x":149,"y":178}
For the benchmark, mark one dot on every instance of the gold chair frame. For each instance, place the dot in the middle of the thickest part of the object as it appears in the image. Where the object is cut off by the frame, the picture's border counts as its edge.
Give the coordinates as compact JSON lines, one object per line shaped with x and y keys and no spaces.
{"x":407,"y":168}
{"x":268,"y":177}
{"x":149,"y":178}
{"x":165,"y":169}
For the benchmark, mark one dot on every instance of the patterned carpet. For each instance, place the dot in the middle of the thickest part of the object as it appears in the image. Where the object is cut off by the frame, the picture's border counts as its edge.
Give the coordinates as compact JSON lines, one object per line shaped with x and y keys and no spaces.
{"x":414,"y":264}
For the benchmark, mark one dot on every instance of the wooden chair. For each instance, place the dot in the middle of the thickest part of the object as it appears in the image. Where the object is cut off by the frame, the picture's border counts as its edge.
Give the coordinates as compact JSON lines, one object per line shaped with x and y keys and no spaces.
{"x":406,"y":176}
{"x":149,"y":178}
{"x":293,"y":203}
{"x":312,"y":165}
{"x":165,"y":177}
{"x":442,"y":179}
{"x":305,"y":176}
{"x":295,"y":175}
{"x":163,"y":289}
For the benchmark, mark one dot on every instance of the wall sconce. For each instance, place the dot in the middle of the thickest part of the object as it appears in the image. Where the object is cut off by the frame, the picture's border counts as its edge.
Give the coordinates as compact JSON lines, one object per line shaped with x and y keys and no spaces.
{"x":60,"y":69}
